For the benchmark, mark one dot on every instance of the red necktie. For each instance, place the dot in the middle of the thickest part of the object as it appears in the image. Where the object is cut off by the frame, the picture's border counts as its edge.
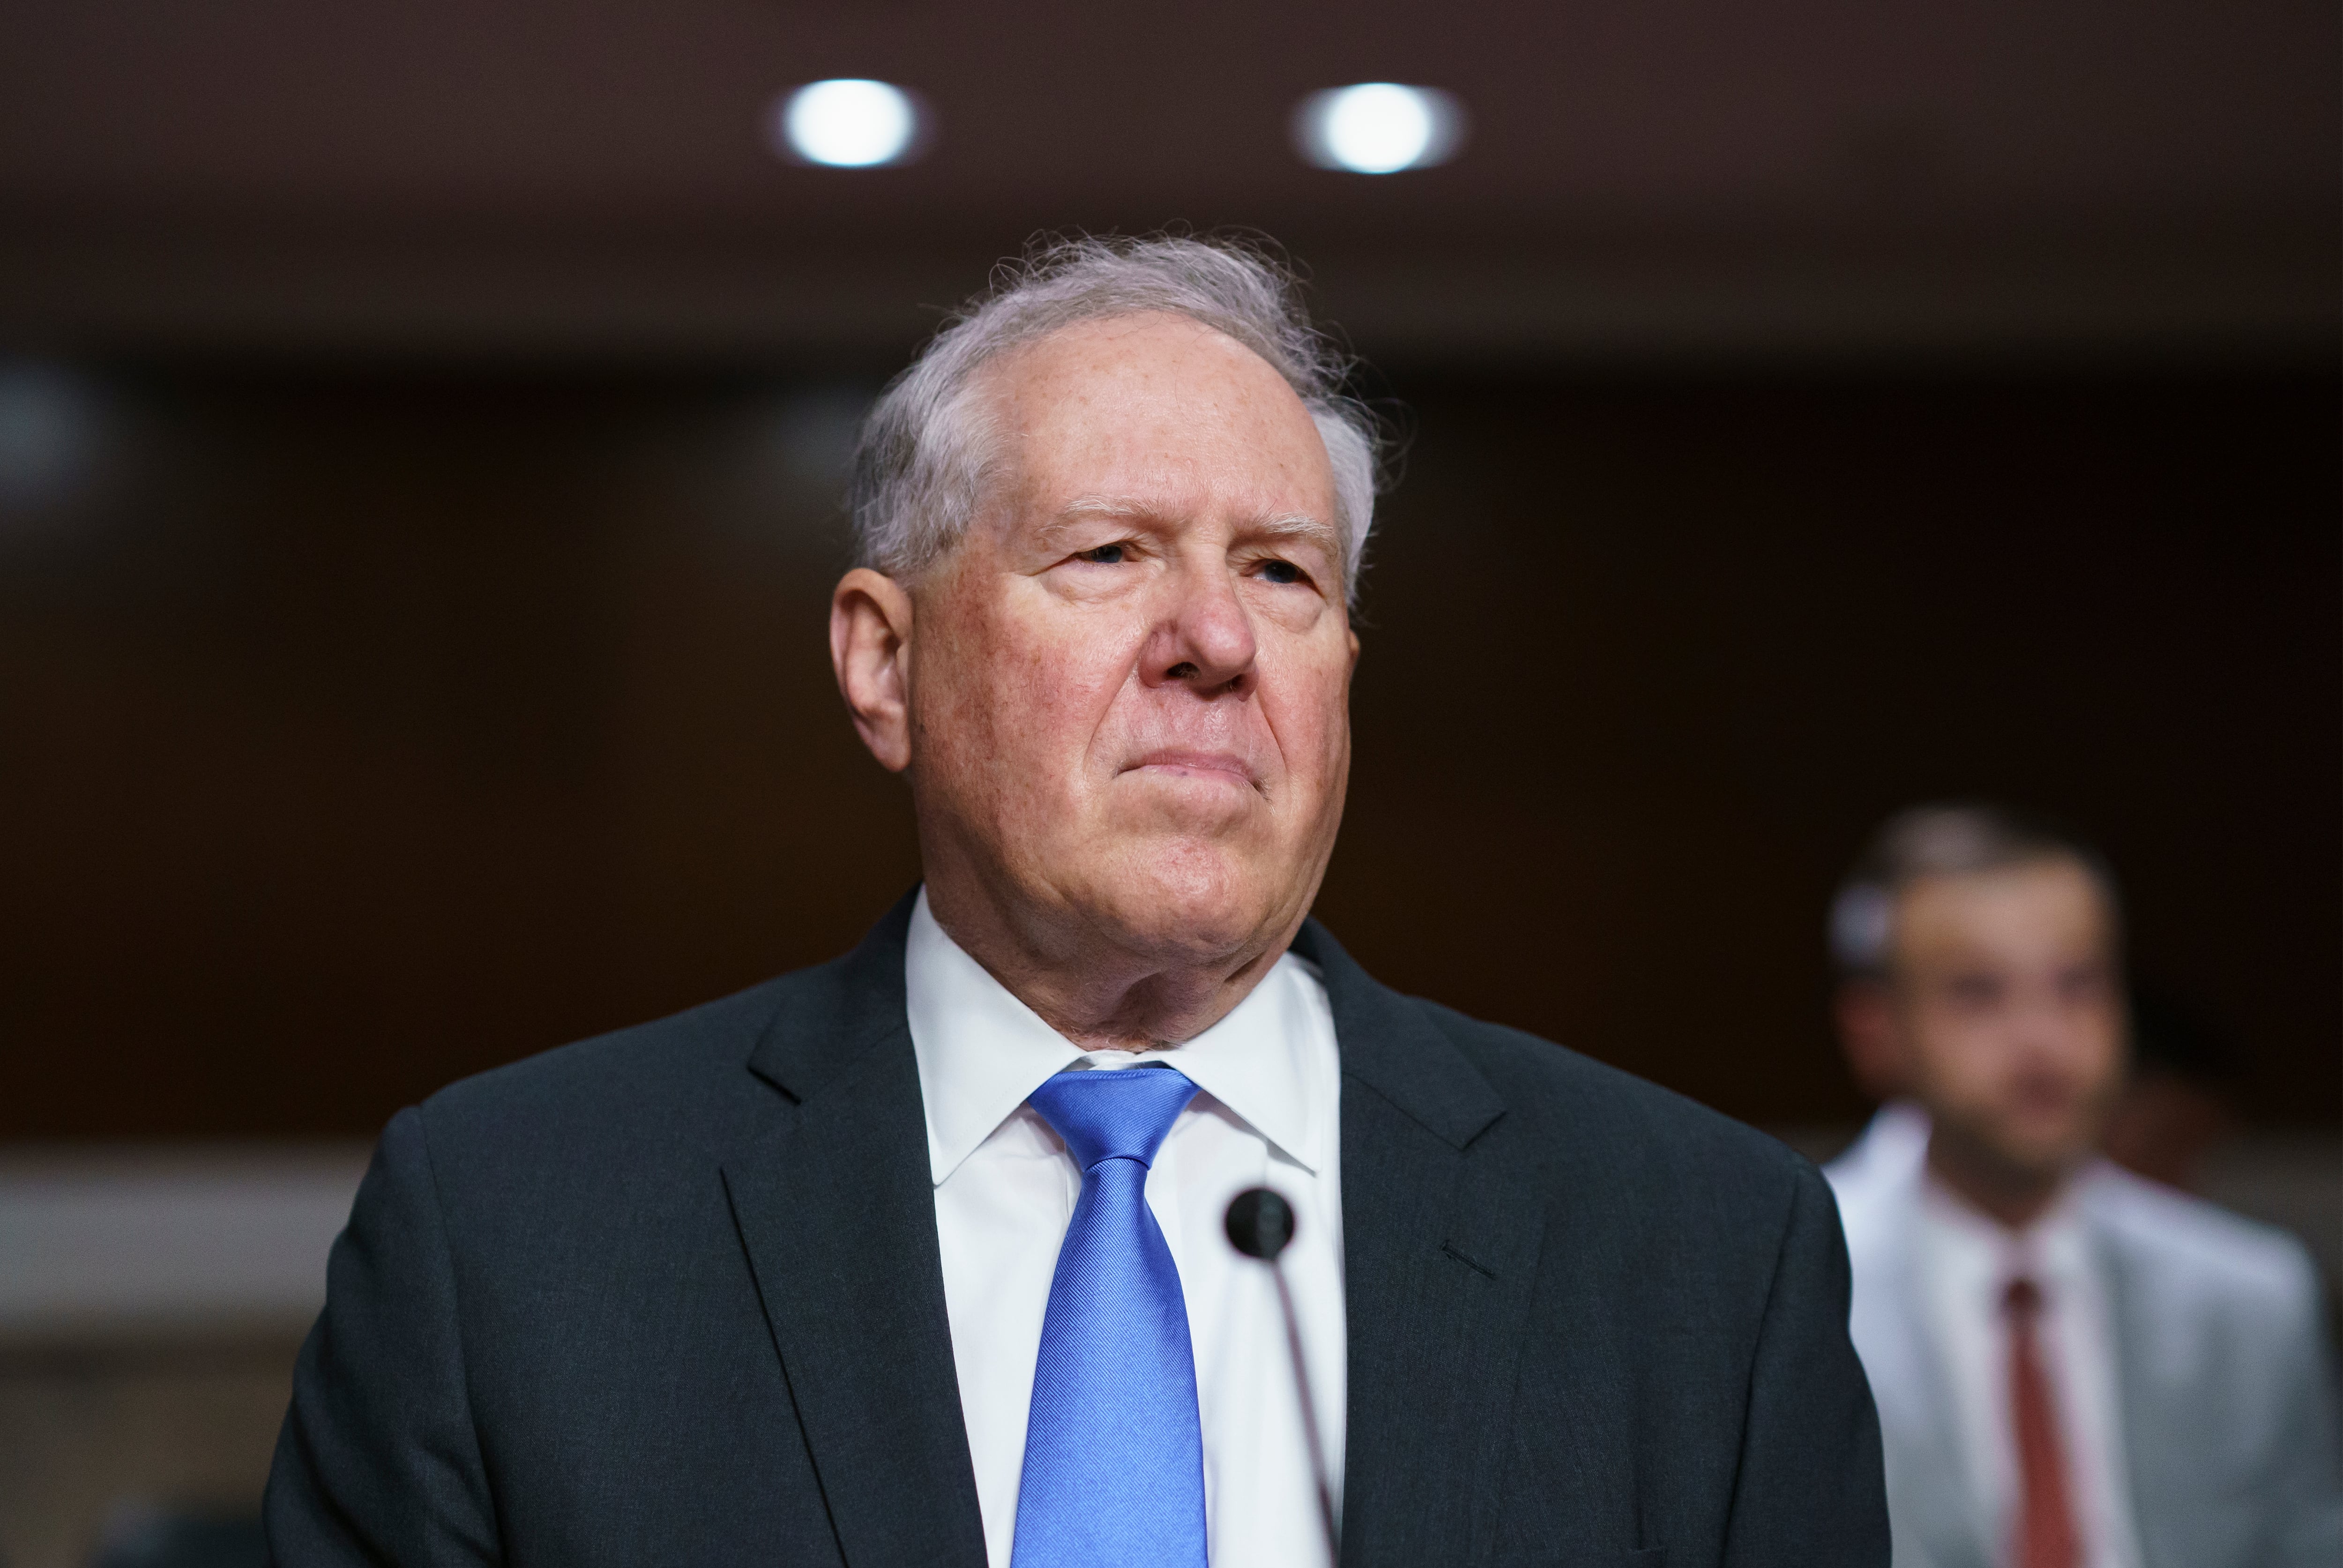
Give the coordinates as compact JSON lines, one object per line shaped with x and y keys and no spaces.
{"x":2046,"y":1521}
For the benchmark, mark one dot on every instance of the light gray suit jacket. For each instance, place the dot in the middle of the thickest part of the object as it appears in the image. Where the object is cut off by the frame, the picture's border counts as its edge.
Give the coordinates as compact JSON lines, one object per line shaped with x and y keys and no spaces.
{"x":2228,"y":1398}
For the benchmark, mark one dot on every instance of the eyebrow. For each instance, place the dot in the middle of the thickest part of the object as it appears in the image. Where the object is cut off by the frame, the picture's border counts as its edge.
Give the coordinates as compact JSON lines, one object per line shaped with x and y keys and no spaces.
{"x":1101,"y":507}
{"x":1289,"y":525}
{"x":1296,"y":523}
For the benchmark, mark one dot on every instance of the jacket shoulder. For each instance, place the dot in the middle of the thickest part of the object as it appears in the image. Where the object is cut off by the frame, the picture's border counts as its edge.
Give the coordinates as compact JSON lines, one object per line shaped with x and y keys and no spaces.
{"x":573,"y":1141}
{"x":677,"y":1065}
{"x":622,"y":1068}
{"x":2183,"y":1245}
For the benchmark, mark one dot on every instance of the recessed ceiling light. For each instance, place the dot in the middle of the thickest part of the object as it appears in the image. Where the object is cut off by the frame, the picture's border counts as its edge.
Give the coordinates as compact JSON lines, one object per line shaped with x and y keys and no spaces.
{"x":1378,"y":127}
{"x":848,"y":123}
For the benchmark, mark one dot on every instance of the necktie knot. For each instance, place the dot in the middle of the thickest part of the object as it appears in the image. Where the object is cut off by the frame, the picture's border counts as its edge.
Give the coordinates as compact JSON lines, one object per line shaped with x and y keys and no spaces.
{"x":1115,"y":1113}
{"x":2022,"y":1298}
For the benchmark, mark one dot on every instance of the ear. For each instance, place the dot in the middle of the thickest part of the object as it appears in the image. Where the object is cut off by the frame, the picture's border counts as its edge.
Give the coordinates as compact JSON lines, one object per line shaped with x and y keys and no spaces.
{"x":1868,"y":1032}
{"x":871,"y":651}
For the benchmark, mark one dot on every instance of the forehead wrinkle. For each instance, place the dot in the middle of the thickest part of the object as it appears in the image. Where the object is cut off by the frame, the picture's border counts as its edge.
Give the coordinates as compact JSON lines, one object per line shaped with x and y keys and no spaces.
{"x":1281,"y":525}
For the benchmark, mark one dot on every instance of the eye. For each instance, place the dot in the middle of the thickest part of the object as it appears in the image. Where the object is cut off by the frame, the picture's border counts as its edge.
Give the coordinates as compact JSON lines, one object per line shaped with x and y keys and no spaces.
{"x":1105,"y":555}
{"x":1278,"y":571}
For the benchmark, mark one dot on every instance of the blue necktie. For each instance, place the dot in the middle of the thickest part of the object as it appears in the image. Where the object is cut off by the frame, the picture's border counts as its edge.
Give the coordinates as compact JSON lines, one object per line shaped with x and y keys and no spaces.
{"x":1114,"y":1455}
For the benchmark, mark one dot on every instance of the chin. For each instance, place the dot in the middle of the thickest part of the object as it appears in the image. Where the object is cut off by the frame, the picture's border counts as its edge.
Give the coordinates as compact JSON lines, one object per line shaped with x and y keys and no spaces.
{"x":1199,"y":902}
{"x":2042,"y":1155}
{"x":1195,"y":808}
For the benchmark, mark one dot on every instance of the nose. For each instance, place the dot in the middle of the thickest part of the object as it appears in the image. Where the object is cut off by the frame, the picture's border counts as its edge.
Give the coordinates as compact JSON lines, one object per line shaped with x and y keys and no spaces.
{"x":1204,"y":639}
{"x":2048,"y":1027}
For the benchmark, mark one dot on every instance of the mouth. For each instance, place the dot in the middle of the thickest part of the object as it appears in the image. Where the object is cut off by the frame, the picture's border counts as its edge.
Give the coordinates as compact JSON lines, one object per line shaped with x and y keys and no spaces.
{"x":1208,"y":766}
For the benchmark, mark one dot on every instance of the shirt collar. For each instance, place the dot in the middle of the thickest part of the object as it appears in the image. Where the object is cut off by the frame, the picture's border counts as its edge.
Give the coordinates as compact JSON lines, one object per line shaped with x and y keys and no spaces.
{"x":981,"y":1051}
{"x":1980,"y":1249}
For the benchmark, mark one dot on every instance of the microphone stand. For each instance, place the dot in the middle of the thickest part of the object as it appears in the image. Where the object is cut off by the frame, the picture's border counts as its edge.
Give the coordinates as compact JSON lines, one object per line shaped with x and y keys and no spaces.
{"x":1259,"y":1224}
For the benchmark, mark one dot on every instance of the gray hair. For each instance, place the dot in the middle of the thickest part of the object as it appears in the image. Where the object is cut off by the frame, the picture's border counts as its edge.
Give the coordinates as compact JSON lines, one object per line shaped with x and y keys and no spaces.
{"x":926,"y":448}
{"x":1941,"y":840}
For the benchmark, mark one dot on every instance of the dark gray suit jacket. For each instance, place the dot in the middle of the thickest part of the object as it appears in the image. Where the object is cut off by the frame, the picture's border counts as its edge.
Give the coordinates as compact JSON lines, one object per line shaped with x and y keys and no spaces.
{"x":673,"y":1295}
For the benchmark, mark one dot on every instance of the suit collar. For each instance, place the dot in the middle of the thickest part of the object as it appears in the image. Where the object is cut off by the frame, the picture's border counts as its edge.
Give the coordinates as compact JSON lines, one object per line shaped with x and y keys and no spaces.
{"x":831,"y":1016}
{"x":1389,"y":1046}
{"x":2149,"y":1413}
{"x":1441,"y":1240}
{"x":834,"y":1208}
{"x":1928,"y":1478}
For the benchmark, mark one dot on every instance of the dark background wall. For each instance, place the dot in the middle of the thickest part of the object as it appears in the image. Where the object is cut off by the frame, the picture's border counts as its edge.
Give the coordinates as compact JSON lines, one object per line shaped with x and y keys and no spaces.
{"x":362,"y":726}
{"x":419,"y":427}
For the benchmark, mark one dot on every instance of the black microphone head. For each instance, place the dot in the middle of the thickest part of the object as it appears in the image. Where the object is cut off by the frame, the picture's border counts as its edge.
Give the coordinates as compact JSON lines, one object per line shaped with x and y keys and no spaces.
{"x":1260,"y":1223}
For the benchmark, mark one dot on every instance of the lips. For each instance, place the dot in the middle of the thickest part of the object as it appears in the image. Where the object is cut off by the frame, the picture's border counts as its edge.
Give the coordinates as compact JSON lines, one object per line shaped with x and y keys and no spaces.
{"x":1222,"y":764}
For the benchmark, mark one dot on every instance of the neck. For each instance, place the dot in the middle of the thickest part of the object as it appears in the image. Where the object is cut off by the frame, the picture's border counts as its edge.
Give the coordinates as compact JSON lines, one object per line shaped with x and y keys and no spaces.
{"x":1100,"y":994}
{"x":2015,"y":1195}
{"x":1135,"y":1009}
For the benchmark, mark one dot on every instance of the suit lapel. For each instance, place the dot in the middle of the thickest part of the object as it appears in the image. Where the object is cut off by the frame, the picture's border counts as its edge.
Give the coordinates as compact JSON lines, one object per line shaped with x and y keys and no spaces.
{"x":1929,"y":1481}
{"x":836,"y":1211}
{"x":1440,"y":1254}
{"x":2145,"y":1418}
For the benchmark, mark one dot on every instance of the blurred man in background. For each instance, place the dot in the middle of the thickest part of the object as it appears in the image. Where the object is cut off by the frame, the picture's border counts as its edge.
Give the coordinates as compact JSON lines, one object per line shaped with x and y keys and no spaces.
{"x":2075,"y":1368}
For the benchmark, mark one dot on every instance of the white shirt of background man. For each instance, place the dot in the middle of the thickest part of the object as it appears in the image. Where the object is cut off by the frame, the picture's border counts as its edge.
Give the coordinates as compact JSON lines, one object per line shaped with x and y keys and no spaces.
{"x":1268,"y":1115}
{"x":1969,"y":1260}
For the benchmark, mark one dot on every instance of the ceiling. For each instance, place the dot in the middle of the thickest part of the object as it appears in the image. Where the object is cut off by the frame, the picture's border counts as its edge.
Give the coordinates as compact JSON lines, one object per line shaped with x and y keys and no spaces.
{"x":1678,"y":176}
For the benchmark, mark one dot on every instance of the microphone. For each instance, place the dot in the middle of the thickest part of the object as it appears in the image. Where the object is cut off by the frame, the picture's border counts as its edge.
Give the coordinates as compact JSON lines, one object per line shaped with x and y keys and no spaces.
{"x":1259,"y":1224}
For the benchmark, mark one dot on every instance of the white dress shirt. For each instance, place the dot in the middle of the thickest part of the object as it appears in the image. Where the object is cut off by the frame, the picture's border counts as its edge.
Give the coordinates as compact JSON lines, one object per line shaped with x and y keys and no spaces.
{"x":1969,"y":1260}
{"x":1268,"y":1114}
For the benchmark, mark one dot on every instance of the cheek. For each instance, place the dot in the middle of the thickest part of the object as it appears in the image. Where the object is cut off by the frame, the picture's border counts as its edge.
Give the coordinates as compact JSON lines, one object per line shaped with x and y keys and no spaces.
{"x":965,"y":690}
{"x":1070,"y":683}
{"x":2101,"y":1055}
{"x":2104,"y":1020}
{"x":1312,"y":716}
{"x":1022,"y":701}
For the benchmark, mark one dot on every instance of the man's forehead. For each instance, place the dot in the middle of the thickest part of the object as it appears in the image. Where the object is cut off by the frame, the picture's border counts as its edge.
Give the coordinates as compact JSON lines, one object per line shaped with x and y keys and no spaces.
{"x":1151,"y":418}
{"x":1096,"y":378}
{"x":2050,"y":899}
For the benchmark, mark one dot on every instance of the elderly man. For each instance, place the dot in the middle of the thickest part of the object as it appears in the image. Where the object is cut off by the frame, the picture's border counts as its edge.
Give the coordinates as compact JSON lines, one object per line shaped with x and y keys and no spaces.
{"x":2075,"y":1368}
{"x":918,"y":1257}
